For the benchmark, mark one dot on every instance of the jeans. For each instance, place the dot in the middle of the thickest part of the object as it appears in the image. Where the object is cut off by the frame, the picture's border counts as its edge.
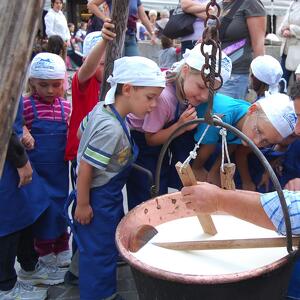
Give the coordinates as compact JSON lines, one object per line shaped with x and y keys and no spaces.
{"x":236,"y":87}
{"x":130,"y":46}
{"x":18,"y":244}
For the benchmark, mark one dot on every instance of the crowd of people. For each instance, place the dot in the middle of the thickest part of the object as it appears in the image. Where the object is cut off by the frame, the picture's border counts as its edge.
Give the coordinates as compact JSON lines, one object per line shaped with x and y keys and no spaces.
{"x":94,"y":143}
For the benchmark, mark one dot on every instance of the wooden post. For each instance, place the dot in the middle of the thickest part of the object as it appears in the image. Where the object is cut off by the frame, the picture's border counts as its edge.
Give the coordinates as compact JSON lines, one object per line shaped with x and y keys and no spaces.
{"x":18,"y":26}
{"x":227,"y":181}
{"x":114,"y":49}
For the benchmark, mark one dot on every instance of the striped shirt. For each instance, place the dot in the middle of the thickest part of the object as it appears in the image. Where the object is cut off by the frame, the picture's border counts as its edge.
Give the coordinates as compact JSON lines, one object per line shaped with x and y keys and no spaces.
{"x":45,"y":111}
{"x":271,"y":205}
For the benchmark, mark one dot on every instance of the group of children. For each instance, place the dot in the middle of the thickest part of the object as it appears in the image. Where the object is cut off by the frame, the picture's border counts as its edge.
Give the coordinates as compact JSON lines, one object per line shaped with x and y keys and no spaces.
{"x":103,"y":139}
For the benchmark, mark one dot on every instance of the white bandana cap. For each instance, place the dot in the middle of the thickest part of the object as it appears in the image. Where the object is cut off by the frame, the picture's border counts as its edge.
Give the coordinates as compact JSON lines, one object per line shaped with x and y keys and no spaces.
{"x":268,"y":70}
{"x":279,"y":109}
{"x":90,"y":42}
{"x":47,"y":66}
{"x":196,"y":60}
{"x":135,"y":70}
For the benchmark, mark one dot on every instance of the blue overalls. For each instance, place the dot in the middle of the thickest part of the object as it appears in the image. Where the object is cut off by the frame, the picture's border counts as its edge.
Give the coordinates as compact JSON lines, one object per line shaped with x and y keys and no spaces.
{"x":19,"y":207}
{"x":96,"y":241}
{"x":48,"y":160}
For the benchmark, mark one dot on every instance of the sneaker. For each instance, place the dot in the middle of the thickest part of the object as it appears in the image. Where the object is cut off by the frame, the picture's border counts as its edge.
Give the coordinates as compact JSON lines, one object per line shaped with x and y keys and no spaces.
{"x":43,"y":274}
{"x":63,"y":259}
{"x":49,"y":259}
{"x":23,"y":291}
{"x":70,"y":278}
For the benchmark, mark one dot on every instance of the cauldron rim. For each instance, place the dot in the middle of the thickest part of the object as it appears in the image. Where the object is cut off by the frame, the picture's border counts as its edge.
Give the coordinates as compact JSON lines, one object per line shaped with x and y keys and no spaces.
{"x":187,"y":278}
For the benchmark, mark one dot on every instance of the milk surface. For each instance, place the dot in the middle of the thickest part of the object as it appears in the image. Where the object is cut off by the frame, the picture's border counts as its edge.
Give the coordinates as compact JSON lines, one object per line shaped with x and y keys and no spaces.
{"x":208,"y":262}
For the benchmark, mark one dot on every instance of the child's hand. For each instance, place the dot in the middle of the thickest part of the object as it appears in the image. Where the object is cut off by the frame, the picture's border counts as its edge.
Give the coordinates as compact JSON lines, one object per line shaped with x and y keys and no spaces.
{"x":188,"y":115}
{"x":83,"y":214}
{"x":107,"y":33}
{"x":25,"y":174}
{"x":27,"y":139}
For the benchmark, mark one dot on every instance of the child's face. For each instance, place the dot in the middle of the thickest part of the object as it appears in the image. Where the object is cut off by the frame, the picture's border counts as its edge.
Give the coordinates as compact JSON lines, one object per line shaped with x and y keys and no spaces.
{"x":194,"y":88}
{"x":297,"y":112}
{"x":57,"y":5}
{"x":260,"y":130}
{"x":143,"y":100}
{"x":47,"y":89}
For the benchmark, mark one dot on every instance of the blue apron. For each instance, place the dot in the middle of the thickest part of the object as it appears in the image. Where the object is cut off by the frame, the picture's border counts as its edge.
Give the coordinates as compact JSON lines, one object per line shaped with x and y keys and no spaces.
{"x":96,"y":241}
{"x":48,"y":160}
{"x":19,"y":207}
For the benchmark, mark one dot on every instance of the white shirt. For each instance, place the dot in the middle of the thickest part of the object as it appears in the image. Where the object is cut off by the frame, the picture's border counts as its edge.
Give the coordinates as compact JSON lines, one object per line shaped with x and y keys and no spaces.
{"x":56,"y":24}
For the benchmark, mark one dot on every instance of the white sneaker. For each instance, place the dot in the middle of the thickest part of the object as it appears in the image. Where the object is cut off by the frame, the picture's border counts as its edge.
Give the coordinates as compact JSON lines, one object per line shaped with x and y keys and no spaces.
{"x":49,"y":259}
{"x":43,"y":274}
{"x":23,"y":291}
{"x":63,"y":259}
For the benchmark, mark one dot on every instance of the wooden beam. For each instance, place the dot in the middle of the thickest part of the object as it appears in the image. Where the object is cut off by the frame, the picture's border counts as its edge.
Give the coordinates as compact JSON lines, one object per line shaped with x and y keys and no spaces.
{"x":114,"y":49}
{"x":18,"y":27}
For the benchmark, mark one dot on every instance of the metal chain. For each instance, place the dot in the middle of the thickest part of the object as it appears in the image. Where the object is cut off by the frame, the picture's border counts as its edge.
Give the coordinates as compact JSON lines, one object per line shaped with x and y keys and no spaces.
{"x":210,"y":70}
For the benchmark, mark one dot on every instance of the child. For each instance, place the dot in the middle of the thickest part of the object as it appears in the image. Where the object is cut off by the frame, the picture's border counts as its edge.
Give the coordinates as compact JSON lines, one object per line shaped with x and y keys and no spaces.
{"x":81,"y":34}
{"x":105,"y":154}
{"x":86,"y":83}
{"x":21,"y":204}
{"x":46,"y":116}
{"x":185,"y":84}
{"x":169,"y":55}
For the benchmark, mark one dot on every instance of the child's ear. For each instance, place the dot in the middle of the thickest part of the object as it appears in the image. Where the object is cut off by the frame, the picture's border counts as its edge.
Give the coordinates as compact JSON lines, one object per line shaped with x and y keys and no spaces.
{"x":126,"y":89}
{"x":185,"y":69}
{"x":252,"y":109}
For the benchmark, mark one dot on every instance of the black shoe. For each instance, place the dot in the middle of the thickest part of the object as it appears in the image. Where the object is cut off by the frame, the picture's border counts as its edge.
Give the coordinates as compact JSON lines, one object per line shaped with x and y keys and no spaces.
{"x":70,"y":278}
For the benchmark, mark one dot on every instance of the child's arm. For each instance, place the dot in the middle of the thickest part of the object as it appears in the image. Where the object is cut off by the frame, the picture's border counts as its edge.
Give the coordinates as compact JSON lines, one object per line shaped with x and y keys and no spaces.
{"x":83,"y":212}
{"x":160,"y":137}
{"x":92,"y":61}
{"x":27,"y":139}
{"x":241,"y":158}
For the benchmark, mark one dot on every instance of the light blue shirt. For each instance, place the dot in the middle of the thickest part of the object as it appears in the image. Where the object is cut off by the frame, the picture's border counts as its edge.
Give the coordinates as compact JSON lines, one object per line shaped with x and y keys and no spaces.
{"x":271,"y":204}
{"x":231,"y":109}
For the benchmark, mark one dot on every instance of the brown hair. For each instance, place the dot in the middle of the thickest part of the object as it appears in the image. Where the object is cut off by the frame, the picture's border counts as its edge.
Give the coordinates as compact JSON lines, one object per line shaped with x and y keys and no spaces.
{"x":53,"y":1}
{"x":166,"y":42}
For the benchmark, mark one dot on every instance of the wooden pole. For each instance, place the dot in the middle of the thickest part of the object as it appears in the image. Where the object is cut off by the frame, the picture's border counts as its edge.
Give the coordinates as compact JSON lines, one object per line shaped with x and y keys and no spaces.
{"x":18,"y":27}
{"x":114,"y":49}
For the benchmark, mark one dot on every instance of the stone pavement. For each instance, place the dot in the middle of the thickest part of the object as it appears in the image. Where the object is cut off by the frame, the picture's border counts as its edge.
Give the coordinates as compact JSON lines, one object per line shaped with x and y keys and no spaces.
{"x":126,"y":287}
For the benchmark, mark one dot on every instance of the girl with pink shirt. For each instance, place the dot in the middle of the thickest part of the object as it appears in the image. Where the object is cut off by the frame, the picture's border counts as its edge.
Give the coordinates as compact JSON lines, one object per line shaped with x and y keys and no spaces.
{"x":46,"y":117}
{"x":185,"y":90}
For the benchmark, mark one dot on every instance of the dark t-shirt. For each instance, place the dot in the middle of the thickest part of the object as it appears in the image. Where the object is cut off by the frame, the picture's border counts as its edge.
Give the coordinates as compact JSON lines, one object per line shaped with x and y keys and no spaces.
{"x":236,"y":42}
{"x":132,"y":16}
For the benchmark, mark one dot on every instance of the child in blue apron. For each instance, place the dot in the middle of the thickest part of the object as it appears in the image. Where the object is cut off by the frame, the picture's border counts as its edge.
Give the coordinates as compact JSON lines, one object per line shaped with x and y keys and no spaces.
{"x":21,"y":204}
{"x":46,"y":117}
{"x":105,"y":155}
{"x":184,"y":84}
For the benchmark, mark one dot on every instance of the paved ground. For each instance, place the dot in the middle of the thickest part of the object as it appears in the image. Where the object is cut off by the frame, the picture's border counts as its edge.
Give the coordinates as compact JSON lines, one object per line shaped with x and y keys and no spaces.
{"x":126,"y":288}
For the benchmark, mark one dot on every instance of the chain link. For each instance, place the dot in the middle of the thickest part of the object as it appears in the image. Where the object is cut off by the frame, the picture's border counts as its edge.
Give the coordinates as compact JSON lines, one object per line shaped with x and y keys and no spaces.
{"x":211,"y":70}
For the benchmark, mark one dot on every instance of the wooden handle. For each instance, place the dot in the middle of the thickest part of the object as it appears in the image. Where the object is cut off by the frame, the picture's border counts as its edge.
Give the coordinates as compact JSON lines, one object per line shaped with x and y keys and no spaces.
{"x":227,"y":181}
{"x":188,"y":178}
{"x":228,"y":244}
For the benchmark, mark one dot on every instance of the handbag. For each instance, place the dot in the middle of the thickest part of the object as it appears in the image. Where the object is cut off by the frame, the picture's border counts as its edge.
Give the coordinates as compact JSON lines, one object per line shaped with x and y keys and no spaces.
{"x":292,"y":57}
{"x":180,"y":24}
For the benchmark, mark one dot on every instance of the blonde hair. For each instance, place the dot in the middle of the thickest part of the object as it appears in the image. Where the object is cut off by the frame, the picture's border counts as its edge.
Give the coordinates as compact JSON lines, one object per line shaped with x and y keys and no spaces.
{"x":179,"y":81}
{"x":29,"y":89}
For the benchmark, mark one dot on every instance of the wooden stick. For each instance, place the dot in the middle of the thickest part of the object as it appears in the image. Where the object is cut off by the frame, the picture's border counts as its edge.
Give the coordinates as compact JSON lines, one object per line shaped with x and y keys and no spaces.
{"x":187,"y":178}
{"x":228,"y":244}
{"x":227,"y":181}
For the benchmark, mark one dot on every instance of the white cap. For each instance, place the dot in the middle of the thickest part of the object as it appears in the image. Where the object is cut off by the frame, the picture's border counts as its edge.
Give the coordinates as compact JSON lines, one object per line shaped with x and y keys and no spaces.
{"x":90,"y":42}
{"x":279,"y":109}
{"x":47,"y":66}
{"x":135,"y":70}
{"x":196,"y":60}
{"x":267,"y":69}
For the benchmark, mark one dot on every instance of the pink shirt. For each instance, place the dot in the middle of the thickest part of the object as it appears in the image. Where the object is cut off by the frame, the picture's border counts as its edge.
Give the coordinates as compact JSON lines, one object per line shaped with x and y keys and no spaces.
{"x":163,"y":113}
{"x":45,"y":111}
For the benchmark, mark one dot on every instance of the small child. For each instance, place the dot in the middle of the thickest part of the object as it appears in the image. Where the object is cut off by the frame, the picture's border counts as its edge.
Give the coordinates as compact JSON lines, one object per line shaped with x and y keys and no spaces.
{"x":169,"y":55}
{"x":46,"y":117}
{"x":105,"y":155}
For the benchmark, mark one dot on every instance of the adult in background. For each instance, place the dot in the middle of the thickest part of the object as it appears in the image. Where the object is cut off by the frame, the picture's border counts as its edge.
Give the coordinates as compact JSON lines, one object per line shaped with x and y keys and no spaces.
{"x":162,"y":22}
{"x":197,"y":8}
{"x":289,"y":31}
{"x":136,"y":10}
{"x":56,"y":22}
{"x":242,"y":40}
{"x":95,"y":23}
